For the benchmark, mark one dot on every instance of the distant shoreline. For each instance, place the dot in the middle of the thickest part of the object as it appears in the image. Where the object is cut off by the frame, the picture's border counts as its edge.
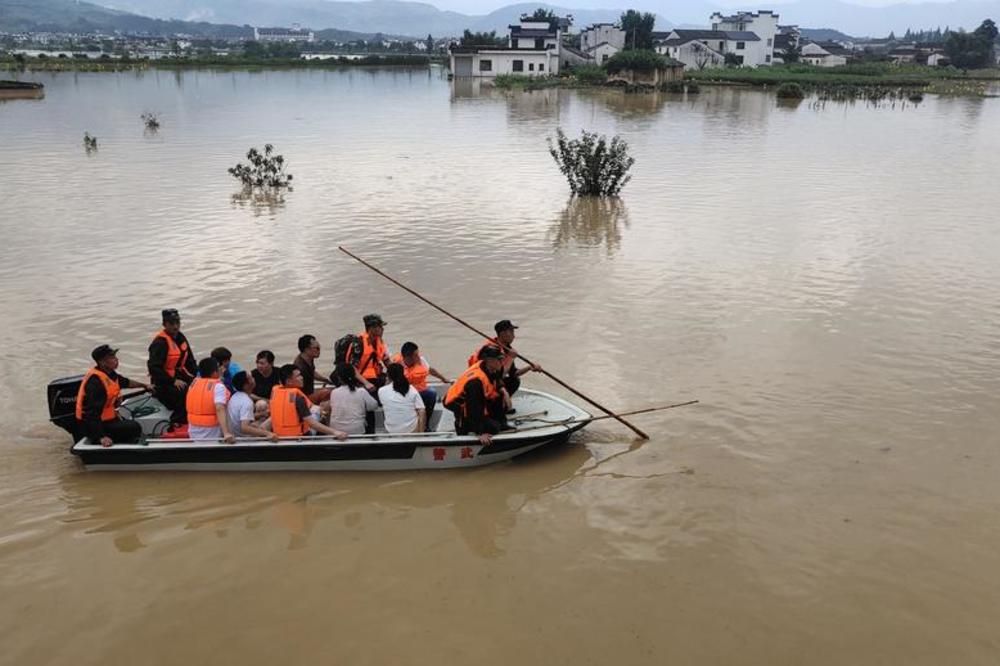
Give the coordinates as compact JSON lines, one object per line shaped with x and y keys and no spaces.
{"x":35,"y":64}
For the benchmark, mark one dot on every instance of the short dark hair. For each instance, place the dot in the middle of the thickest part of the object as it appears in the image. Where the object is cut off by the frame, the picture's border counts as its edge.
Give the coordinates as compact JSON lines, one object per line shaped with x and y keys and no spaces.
{"x":285,"y":372}
{"x":221,"y":354}
{"x":266,"y":354}
{"x":240,"y":380}
{"x":408,"y":348}
{"x":208,"y":366}
{"x":306,"y":341}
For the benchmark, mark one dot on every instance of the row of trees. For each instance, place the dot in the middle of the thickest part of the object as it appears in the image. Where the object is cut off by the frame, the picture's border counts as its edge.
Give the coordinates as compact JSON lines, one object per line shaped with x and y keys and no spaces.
{"x":973,"y":50}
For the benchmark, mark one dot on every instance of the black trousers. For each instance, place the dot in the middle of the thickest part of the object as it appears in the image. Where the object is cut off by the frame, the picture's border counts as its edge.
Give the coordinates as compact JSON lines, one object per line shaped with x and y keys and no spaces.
{"x":378,"y":383}
{"x":121,"y":431}
{"x":493,"y":423}
{"x":173,"y":399}
{"x":511,"y":383}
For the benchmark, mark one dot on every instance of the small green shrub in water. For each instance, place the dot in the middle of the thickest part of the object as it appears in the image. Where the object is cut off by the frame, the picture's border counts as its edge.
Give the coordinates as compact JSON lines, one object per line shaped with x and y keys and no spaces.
{"x":264,"y":170}
{"x":592,"y":164}
{"x":635,"y":60}
{"x":790,"y":91}
{"x":693,"y":88}
{"x":590,"y":75}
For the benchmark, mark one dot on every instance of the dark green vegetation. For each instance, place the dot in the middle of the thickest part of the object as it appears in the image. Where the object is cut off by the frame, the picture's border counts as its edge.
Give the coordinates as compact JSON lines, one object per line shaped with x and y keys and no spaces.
{"x":490,"y":38}
{"x":263,"y":171}
{"x":84,"y":17}
{"x":592,"y":165}
{"x":639,"y":60}
{"x":790,"y":90}
{"x":865,"y":75}
{"x":972,"y":50}
{"x":638,"y":27}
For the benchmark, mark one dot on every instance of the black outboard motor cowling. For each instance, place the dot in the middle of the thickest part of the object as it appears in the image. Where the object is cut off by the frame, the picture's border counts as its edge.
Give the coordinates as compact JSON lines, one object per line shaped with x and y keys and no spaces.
{"x":62,"y":403}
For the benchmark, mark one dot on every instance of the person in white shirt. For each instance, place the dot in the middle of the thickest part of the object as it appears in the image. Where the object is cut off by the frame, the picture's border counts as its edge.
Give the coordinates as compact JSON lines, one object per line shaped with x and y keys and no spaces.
{"x":401,"y":403}
{"x":240,"y":410}
{"x":206,"y":404}
{"x":349,"y":403}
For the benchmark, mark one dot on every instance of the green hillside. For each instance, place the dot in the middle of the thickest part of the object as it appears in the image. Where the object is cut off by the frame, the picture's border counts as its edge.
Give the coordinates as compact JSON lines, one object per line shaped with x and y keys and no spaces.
{"x":73,"y":16}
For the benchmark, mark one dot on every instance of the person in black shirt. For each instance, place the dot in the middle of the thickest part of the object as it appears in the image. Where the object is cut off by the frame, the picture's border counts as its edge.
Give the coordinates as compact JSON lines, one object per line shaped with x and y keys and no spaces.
{"x":265,"y":376}
{"x":172,"y":366}
{"x":309,"y":350}
{"x":98,"y":402}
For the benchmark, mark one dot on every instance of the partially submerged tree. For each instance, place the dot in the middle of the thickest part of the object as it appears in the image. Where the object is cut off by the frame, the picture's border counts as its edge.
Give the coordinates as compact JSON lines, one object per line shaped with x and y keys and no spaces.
{"x":151,"y":121}
{"x":264,"y":171}
{"x":592,"y":164}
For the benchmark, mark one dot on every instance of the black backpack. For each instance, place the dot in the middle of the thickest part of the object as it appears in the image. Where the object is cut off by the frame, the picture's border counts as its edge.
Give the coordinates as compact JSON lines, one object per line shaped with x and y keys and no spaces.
{"x":348,"y":350}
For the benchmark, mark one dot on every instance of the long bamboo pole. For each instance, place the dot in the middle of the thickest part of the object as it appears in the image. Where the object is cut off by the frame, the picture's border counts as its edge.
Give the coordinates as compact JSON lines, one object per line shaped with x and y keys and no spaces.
{"x":569,"y":422}
{"x":484,"y":335}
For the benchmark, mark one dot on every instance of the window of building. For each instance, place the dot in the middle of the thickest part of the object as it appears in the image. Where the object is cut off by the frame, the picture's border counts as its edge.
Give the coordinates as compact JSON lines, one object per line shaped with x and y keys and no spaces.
{"x":739,"y":60}
{"x":722,"y":46}
{"x":740,"y":46}
{"x":770,"y":42}
{"x":518,"y":65}
{"x":485,"y":65}
{"x":540,"y":43}
{"x":531,"y":66}
{"x":541,"y":67}
{"x":767,"y":58}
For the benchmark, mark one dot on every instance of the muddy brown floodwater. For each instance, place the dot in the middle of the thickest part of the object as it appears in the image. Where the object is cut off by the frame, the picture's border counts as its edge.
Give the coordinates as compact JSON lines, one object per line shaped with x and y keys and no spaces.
{"x":823,"y":278}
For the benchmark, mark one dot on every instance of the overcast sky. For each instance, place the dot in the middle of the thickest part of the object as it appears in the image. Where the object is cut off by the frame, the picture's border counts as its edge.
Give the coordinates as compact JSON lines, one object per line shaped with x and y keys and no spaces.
{"x":486,"y":6}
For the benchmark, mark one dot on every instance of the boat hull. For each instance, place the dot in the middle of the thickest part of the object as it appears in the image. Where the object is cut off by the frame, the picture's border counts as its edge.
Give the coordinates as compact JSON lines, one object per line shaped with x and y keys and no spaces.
{"x":380,"y":452}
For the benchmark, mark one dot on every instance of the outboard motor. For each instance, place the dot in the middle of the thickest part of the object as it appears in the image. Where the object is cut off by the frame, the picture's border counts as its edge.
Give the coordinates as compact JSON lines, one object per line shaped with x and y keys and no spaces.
{"x":62,"y":403}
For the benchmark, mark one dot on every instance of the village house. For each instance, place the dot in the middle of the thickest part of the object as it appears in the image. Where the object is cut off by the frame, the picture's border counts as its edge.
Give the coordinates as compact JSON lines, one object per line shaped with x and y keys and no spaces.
{"x":294,"y":34}
{"x":748,"y":38}
{"x":825,"y":54}
{"x":708,"y":48}
{"x":534,"y":48}
{"x":788,"y":37}
{"x":763,"y":23}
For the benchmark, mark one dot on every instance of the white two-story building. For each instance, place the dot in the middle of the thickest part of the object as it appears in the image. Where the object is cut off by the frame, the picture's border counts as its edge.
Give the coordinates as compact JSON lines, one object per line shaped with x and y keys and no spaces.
{"x":533,"y":48}
{"x":763,"y":23}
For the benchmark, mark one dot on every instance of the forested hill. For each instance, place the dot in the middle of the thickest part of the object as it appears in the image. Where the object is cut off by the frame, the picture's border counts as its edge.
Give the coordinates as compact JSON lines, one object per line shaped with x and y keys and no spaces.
{"x":73,"y":16}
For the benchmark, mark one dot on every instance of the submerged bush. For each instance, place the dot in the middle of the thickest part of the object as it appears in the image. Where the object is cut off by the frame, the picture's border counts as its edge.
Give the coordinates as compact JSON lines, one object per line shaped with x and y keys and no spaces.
{"x":790,"y":91}
{"x":263,"y":170}
{"x":592,"y":164}
{"x":636,"y":60}
{"x":151,"y":121}
{"x":693,"y":88}
{"x":590,"y":75}
{"x":672,"y":86}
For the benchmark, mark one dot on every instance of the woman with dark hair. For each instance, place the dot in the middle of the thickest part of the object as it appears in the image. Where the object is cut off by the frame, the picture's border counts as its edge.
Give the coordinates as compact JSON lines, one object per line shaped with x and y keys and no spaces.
{"x":350,"y":404}
{"x":401,"y":403}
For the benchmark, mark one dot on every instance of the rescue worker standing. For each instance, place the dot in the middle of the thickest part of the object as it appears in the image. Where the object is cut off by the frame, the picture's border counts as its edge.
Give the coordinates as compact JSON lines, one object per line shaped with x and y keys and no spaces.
{"x":511,"y":373}
{"x":374,"y":358}
{"x":98,"y":398}
{"x":172,"y":366}
{"x":476,"y":401}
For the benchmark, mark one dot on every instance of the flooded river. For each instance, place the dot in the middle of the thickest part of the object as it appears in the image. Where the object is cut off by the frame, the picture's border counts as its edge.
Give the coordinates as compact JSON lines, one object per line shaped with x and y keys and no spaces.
{"x":823,"y":278}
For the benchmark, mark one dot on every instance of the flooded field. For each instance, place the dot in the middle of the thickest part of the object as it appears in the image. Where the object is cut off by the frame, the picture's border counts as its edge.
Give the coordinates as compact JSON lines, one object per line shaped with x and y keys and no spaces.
{"x":823,"y":277}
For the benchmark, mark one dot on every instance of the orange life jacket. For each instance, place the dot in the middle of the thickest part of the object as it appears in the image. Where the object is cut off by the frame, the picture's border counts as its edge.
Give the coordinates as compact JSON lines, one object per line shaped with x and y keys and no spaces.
{"x":112,"y":389}
{"x":201,"y":403}
{"x":176,"y":354}
{"x":456,"y":394}
{"x":285,"y":421}
{"x":416,"y":374}
{"x":371,"y":356}
{"x":491,"y":342}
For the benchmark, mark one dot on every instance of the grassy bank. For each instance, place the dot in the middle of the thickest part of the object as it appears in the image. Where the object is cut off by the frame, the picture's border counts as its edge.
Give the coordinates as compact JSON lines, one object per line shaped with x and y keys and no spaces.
{"x":218,"y":62}
{"x":868,"y":74}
